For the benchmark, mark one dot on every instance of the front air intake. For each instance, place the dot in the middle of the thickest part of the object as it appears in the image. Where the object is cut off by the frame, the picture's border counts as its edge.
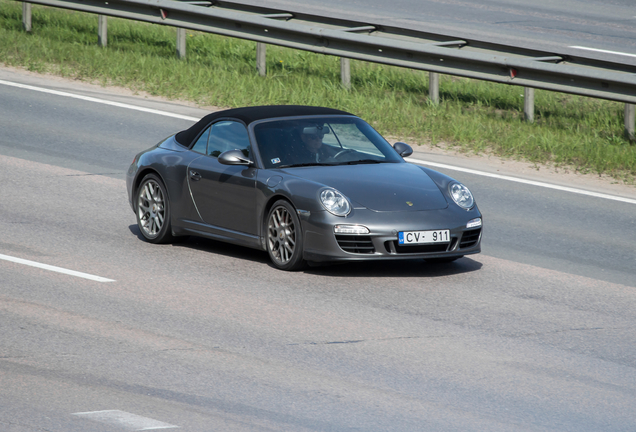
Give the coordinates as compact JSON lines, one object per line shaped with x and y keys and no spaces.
{"x":469,"y":238}
{"x":355,"y":244}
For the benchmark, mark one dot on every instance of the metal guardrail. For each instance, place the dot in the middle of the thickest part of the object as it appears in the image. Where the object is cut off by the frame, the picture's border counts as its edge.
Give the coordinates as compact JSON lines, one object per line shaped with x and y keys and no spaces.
{"x":381,"y":44}
{"x":391,"y":46}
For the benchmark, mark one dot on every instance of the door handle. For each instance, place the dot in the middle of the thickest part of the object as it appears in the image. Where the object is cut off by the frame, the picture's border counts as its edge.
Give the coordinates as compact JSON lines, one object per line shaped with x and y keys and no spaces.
{"x":195,"y":175}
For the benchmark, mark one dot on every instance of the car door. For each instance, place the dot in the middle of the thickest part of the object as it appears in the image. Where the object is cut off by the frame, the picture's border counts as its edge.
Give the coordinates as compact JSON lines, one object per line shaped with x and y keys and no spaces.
{"x":225,"y":195}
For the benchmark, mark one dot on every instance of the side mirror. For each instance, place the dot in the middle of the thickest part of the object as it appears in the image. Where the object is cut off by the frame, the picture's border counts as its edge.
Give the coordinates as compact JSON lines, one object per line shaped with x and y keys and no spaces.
{"x":234,"y":157}
{"x":403,"y":149}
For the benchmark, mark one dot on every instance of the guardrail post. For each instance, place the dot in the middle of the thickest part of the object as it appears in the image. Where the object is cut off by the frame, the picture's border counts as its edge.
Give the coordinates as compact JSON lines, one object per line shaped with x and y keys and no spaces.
{"x":102,"y":30}
{"x":630,"y":117}
{"x":261,"y":58}
{"x":181,"y":43}
{"x":433,"y":87}
{"x":26,"y":16}
{"x":345,"y":72}
{"x":528,"y":104}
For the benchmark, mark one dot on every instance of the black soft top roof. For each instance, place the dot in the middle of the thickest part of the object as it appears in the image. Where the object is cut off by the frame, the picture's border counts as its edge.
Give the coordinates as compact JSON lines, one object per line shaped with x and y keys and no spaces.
{"x":251,"y":114}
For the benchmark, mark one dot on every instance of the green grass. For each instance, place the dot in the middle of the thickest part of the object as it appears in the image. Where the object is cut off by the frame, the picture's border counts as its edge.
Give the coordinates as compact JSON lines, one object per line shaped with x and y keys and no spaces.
{"x":475,"y":116}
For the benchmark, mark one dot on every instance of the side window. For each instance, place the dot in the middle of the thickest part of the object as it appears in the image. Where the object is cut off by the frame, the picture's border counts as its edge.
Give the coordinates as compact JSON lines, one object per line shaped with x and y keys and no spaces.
{"x":228,"y":135}
{"x":202,"y":143}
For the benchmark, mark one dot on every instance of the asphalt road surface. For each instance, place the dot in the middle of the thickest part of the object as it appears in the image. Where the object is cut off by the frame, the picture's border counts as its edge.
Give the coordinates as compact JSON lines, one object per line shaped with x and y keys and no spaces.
{"x":537,"y":333}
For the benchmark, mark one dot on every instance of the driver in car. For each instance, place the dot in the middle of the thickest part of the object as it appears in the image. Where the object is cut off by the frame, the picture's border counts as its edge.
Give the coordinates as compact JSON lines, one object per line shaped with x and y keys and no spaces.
{"x":314,"y":150}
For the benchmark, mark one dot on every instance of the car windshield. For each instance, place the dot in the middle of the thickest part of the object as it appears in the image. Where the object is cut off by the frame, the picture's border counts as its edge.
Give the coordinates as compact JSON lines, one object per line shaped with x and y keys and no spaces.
{"x":333,"y":140}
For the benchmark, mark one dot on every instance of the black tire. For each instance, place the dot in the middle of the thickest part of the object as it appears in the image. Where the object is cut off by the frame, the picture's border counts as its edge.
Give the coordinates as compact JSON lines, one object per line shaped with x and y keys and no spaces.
{"x":284,"y":237}
{"x":153,"y":210}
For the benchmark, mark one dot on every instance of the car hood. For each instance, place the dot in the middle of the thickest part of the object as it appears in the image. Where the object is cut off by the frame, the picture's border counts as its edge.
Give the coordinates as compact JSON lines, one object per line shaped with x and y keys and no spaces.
{"x":379,"y":187}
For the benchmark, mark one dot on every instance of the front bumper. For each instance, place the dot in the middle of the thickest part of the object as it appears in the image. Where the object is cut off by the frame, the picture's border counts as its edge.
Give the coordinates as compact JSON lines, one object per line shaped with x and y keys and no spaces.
{"x":322,"y":244}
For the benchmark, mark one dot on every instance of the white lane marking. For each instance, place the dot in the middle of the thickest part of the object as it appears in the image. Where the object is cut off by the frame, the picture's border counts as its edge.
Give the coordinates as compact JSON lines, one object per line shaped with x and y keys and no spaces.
{"x":101,"y":101}
{"x":481,"y":173}
{"x":55,"y":269}
{"x":125,"y":420}
{"x":524,"y":181}
{"x":603,"y":51}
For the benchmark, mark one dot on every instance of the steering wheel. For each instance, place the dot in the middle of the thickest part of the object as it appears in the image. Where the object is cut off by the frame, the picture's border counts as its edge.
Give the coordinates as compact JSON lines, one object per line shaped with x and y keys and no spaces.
{"x":343,"y":152}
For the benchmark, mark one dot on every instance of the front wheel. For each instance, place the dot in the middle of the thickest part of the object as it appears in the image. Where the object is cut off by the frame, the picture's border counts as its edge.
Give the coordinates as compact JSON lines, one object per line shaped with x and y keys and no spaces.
{"x":153,"y":210}
{"x":284,"y":237}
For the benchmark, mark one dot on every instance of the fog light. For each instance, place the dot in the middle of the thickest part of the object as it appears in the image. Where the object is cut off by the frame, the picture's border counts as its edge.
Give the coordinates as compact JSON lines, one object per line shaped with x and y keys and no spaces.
{"x":474,"y":223}
{"x":351,"y":229}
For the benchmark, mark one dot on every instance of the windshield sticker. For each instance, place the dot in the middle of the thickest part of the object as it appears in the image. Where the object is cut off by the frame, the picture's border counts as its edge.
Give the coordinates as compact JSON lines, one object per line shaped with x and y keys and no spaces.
{"x":275,"y":161}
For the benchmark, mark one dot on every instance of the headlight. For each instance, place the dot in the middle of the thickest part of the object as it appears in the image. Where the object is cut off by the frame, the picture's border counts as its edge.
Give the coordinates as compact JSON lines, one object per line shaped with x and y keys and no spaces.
{"x":461,"y":195}
{"x":335,"y":202}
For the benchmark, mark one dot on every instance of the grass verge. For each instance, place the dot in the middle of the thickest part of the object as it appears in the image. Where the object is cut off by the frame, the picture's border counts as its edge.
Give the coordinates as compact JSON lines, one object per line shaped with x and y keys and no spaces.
{"x":475,"y":116}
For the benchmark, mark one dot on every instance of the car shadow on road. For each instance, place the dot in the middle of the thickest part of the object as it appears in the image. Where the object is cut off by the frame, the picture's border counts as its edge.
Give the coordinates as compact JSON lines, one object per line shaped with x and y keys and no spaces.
{"x":379,"y":268}
{"x":225,"y":249}
{"x":213,"y":246}
{"x":396,"y":268}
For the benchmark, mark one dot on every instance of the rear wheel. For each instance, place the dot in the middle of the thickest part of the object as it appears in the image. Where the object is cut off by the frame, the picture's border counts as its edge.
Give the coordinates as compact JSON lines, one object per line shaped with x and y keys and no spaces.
{"x":284,"y":237}
{"x":153,"y":210}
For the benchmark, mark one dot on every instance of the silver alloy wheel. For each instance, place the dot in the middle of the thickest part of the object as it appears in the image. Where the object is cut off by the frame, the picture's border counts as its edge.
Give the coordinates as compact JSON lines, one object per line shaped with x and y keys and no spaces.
{"x":281,"y":235}
{"x":151,"y":208}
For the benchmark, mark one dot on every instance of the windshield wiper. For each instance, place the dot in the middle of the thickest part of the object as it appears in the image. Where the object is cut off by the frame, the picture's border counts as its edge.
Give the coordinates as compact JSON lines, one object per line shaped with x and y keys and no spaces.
{"x":360,"y":162}
{"x":301,"y":165}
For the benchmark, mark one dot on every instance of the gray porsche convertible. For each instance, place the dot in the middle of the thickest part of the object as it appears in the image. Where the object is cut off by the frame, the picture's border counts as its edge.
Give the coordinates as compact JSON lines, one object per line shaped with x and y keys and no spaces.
{"x":305,"y":184}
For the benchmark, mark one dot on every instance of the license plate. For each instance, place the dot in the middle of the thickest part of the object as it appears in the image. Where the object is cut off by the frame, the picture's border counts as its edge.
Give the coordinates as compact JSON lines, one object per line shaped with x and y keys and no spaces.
{"x":423,"y":237}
